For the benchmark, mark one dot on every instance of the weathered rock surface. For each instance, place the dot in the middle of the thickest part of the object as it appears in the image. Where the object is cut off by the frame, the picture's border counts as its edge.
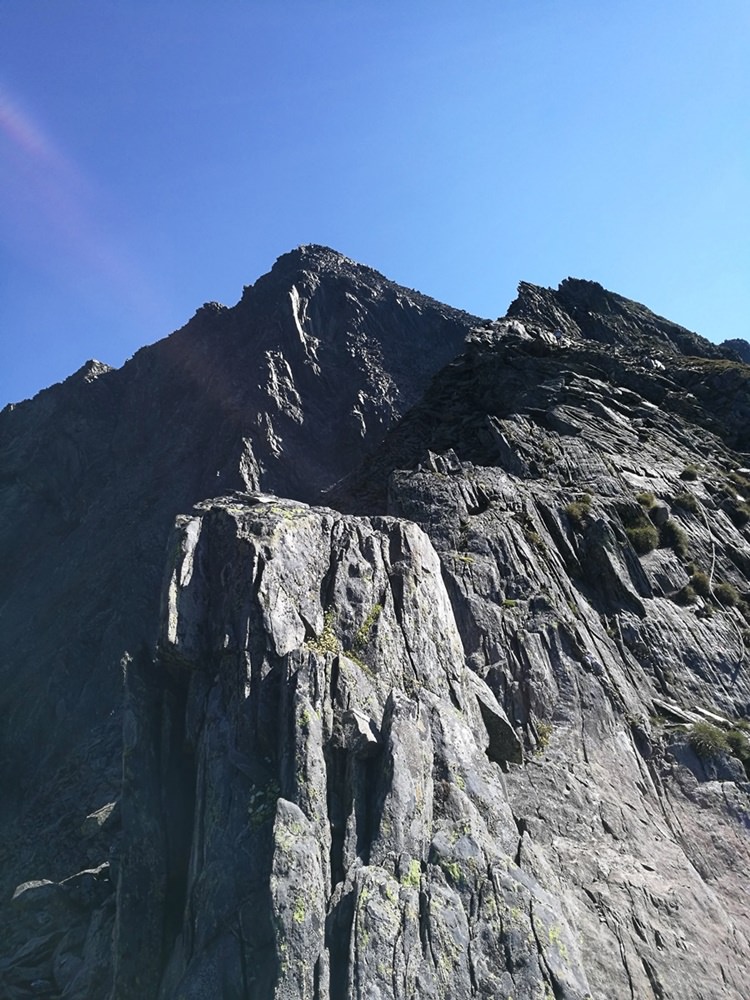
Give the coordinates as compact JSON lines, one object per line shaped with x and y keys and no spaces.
{"x":445,"y":744}
{"x":350,"y":833}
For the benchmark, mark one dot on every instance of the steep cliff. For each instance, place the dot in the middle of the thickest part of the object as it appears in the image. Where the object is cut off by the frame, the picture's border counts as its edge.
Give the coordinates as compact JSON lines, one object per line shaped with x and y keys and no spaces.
{"x":283,"y":392}
{"x":478,"y":732}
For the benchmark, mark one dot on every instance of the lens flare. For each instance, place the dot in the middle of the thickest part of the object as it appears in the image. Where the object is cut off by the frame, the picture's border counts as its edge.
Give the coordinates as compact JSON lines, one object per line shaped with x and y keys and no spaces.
{"x":53,"y":216}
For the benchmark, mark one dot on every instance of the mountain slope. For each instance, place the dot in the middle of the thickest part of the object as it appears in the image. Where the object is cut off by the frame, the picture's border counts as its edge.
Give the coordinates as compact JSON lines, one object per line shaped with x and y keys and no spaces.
{"x":482,"y":735}
{"x":284,"y":392}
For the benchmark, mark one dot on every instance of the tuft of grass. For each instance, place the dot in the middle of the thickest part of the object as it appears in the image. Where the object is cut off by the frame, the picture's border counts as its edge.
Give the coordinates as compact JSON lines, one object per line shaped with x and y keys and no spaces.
{"x":641,"y":533}
{"x":700,"y":583}
{"x":739,"y":512}
{"x":687,"y":595}
{"x":707,"y":740}
{"x":529,"y":530}
{"x":533,"y":537}
{"x":739,"y":746}
{"x":363,"y":632}
{"x":463,"y":557}
{"x":724,"y":594}
{"x":674,"y":538}
{"x":646,"y":499}
{"x":579,"y":508}
{"x":727,"y":594}
{"x":687,"y":501}
{"x":690,"y":472}
{"x":326,"y":642}
{"x":643,"y":539}
{"x":543,"y":735}
{"x":740,"y":481}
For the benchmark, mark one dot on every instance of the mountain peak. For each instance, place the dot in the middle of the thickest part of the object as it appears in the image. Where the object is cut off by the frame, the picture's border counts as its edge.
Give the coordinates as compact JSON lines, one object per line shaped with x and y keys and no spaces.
{"x":314,"y":258}
{"x":460,"y":716}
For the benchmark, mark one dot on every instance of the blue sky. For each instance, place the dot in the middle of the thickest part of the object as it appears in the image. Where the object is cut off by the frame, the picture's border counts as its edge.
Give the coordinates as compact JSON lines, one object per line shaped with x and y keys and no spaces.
{"x":157,"y":155}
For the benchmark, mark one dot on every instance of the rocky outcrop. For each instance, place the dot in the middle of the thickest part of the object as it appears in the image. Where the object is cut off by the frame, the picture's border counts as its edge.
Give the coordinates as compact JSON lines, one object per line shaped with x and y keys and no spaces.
{"x":349,"y":832}
{"x":561,"y":619}
{"x":538,"y":409}
{"x":333,"y":689}
{"x":475,"y":729}
{"x":585,"y":310}
{"x":740,"y":347}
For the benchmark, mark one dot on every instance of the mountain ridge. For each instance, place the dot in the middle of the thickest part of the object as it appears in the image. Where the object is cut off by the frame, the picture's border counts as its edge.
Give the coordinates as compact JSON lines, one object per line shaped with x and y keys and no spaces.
{"x":439,"y":738}
{"x":104,"y":464}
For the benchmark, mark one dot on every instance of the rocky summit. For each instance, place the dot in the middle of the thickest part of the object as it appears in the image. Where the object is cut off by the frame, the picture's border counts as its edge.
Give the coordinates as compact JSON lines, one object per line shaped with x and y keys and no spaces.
{"x":356,"y":647}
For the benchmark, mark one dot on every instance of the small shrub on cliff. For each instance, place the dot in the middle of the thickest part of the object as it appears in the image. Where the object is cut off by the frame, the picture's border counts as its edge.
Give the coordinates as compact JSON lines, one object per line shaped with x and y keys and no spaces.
{"x":675,"y":538}
{"x":739,"y":745}
{"x":641,"y":533}
{"x":363,"y":632}
{"x":727,"y":594}
{"x":644,"y":538}
{"x":724,"y":593}
{"x":646,"y":499}
{"x":543,"y":735}
{"x":707,"y":740}
{"x":687,"y":595}
{"x":326,"y":642}
{"x":740,"y":481}
{"x":687,"y":501}
{"x":700,"y":583}
{"x":739,"y":512}
{"x":577,"y":510}
{"x":690,"y":472}
{"x":529,"y":529}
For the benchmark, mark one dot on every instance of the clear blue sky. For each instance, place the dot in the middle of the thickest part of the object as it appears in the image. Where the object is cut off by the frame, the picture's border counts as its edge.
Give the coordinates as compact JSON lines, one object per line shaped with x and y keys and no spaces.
{"x":155,"y":155}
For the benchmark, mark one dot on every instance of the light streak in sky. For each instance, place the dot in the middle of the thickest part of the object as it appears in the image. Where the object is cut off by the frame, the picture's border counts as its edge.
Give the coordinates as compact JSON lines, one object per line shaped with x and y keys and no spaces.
{"x":48,"y":204}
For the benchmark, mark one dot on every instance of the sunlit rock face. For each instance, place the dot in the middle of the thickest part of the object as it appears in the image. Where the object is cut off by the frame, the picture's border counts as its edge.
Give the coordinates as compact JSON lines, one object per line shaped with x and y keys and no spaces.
{"x":473,"y":728}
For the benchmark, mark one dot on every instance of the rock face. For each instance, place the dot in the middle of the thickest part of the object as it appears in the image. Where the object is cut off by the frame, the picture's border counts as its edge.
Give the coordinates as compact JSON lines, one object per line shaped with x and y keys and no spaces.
{"x":583,"y":310}
{"x":329,"y":734}
{"x":285,"y":392}
{"x":475,"y":729}
{"x":740,"y":347}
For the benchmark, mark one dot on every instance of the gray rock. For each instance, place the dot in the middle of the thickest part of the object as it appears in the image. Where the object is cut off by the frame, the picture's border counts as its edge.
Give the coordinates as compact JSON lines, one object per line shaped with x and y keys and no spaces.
{"x":365,"y":801}
{"x":439,"y":750}
{"x":504,"y":744}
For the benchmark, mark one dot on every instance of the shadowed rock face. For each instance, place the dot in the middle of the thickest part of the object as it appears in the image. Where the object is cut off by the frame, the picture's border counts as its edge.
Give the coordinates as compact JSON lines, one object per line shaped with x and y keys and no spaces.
{"x":740,"y":347}
{"x":285,"y":392}
{"x":437,"y":746}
